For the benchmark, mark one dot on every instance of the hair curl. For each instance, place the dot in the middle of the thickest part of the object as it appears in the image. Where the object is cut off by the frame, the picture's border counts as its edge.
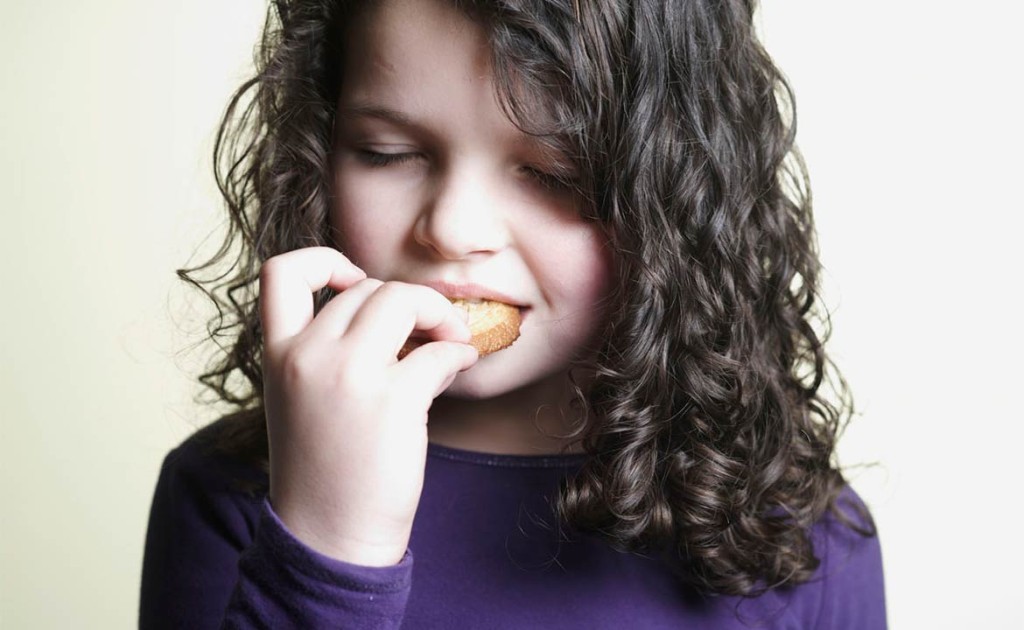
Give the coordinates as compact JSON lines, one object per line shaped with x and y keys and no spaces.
{"x":708,"y":431}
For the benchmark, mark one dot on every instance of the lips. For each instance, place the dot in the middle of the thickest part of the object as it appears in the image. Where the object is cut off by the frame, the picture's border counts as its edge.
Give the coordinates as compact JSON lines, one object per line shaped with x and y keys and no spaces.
{"x":472,"y":291}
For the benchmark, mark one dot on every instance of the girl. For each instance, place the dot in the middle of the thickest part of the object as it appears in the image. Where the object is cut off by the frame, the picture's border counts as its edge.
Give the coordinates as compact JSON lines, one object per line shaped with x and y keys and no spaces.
{"x":653,"y":451}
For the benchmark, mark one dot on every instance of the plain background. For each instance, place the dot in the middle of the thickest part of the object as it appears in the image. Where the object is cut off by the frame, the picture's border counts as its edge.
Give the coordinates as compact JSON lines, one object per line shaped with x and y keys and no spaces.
{"x":908,"y":118}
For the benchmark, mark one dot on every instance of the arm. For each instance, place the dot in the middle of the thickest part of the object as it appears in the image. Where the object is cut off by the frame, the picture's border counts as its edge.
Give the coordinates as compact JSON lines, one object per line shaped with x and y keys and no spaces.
{"x":285,"y":584}
{"x":216,"y":557}
{"x":341,"y":419}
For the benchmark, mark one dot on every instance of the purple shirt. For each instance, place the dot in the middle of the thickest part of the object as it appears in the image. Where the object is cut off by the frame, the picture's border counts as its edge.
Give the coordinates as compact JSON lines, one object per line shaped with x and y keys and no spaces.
{"x":483,"y":554}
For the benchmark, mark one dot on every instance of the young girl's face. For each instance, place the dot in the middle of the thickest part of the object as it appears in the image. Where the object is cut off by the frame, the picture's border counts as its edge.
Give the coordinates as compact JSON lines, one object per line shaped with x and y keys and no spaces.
{"x":433,"y":184}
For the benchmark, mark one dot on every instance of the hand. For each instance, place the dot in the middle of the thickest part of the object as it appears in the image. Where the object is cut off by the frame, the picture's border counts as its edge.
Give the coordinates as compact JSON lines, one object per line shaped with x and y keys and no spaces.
{"x":347,"y":421}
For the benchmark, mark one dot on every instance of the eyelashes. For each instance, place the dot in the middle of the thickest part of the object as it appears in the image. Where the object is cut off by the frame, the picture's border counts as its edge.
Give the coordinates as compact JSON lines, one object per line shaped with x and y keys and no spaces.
{"x":550,"y":181}
{"x":378,"y":160}
{"x":546,"y":180}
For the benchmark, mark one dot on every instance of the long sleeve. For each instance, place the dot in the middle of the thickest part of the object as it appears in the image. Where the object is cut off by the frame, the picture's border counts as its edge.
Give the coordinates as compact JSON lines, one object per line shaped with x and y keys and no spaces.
{"x":217,"y":557}
{"x":285,"y":584}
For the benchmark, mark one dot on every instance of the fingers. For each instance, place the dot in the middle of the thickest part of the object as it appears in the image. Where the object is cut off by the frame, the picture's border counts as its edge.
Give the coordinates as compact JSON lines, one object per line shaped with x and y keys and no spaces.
{"x":335,"y":317}
{"x":287,"y":283}
{"x":430,"y":369}
{"x":395,"y":310}
{"x":335,"y":320}
{"x":373,"y":317}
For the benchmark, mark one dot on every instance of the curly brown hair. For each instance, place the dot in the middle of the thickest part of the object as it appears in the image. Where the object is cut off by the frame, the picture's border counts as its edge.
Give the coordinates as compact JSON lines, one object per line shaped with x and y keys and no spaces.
{"x":708,"y":432}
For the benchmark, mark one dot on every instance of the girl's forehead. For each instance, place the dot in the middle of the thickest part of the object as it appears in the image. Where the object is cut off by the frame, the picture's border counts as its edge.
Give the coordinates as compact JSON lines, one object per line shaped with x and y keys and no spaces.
{"x":403,"y":36}
{"x":424,"y":66}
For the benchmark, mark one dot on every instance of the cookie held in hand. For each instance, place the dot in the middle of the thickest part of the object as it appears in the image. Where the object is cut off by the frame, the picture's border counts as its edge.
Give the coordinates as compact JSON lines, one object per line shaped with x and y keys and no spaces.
{"x":494,"y":325}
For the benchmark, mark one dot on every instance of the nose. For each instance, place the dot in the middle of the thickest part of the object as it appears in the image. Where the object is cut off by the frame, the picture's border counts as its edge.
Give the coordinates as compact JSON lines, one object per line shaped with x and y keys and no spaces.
{"x":463,"y":218}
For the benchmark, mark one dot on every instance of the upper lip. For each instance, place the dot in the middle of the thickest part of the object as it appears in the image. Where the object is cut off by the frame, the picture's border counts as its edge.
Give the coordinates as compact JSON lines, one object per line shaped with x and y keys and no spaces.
{"x":470,"y":290}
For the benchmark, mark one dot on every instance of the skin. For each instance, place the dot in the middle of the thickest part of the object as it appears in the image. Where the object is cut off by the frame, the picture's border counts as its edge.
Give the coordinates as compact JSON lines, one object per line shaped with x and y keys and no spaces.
{"x":349,"y":424}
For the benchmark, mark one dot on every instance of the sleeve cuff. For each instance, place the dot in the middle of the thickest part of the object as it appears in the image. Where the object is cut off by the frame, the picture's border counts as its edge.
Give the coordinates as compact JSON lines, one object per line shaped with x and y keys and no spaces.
{"x":314,"y":565}
{"x":283,"y":583}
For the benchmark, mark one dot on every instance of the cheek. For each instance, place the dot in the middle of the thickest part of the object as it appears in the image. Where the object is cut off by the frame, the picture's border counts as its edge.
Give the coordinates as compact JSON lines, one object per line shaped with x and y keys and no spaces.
{"x":599,"y":268}
{"x":365,"y":232}
{"x":579,"y":265}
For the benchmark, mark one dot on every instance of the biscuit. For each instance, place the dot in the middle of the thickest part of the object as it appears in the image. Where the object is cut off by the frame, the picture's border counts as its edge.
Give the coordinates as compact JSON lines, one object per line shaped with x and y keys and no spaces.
{"x":494,"y":326}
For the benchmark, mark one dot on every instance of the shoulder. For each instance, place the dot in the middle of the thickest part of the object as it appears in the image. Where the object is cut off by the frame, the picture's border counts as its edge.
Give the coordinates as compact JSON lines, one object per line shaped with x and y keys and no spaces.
{"x":846,"y":535}
{"x":200,"y":521}
{"x":202,"y":486}
{"x":849,"y":580}
{"x":199,"y":459}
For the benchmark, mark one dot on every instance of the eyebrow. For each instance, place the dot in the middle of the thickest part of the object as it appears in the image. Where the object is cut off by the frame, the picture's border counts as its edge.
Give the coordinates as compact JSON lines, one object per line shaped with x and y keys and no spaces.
{"x":384,"y":113}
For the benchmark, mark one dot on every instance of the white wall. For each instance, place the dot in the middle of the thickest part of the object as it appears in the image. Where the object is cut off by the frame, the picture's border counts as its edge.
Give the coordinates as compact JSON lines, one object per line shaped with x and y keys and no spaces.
{"x":908,"y":118}
{"x":108,"y":110}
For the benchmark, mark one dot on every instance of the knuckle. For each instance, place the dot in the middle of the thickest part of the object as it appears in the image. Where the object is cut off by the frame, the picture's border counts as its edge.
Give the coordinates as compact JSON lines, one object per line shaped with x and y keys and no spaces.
{"x":372,"y":283}
{"x":394,"y":286}
{"x":411,"y":294}
{"x":339,"y":373}
{"x":441,"y":353}
{"x":270,"y":267}
{"x":393,"y":291}
{"x":297,"y":365}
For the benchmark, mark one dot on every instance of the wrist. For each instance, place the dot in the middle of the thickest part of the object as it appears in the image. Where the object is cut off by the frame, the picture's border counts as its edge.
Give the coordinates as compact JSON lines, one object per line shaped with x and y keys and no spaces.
{"x":338,"y":543}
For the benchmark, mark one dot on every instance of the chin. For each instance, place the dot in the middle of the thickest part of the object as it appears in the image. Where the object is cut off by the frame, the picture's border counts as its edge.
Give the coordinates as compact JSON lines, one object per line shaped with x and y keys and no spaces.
{"x":493,"y":377}
{"x":480,"y":383}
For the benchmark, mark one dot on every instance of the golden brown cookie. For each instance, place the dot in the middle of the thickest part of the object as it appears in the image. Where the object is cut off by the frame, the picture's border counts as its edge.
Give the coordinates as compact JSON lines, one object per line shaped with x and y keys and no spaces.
{"x":494,"y":325}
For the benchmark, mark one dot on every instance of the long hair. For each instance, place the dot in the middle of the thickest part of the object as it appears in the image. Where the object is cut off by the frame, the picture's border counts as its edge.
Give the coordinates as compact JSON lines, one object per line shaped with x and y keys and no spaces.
{"x":707,"y":424}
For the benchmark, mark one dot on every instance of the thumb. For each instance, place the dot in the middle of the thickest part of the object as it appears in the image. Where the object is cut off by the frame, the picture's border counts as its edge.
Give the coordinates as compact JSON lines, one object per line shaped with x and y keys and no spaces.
{"x":430,"y":369}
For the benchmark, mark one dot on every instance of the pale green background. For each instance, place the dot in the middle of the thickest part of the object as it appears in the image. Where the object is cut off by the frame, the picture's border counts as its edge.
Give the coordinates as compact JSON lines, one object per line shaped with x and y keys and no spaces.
{"x":909,"y":119}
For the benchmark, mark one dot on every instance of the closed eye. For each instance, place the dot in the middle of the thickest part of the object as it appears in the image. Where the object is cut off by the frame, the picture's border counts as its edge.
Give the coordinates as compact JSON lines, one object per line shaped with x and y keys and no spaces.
{"x":550,"y":181}
{"x":375,"y":159}
{"x":546,"y":180}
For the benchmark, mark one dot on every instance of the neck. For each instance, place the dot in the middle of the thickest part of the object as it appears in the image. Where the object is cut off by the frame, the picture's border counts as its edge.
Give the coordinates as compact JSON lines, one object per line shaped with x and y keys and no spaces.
{"x":526,"y":421}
